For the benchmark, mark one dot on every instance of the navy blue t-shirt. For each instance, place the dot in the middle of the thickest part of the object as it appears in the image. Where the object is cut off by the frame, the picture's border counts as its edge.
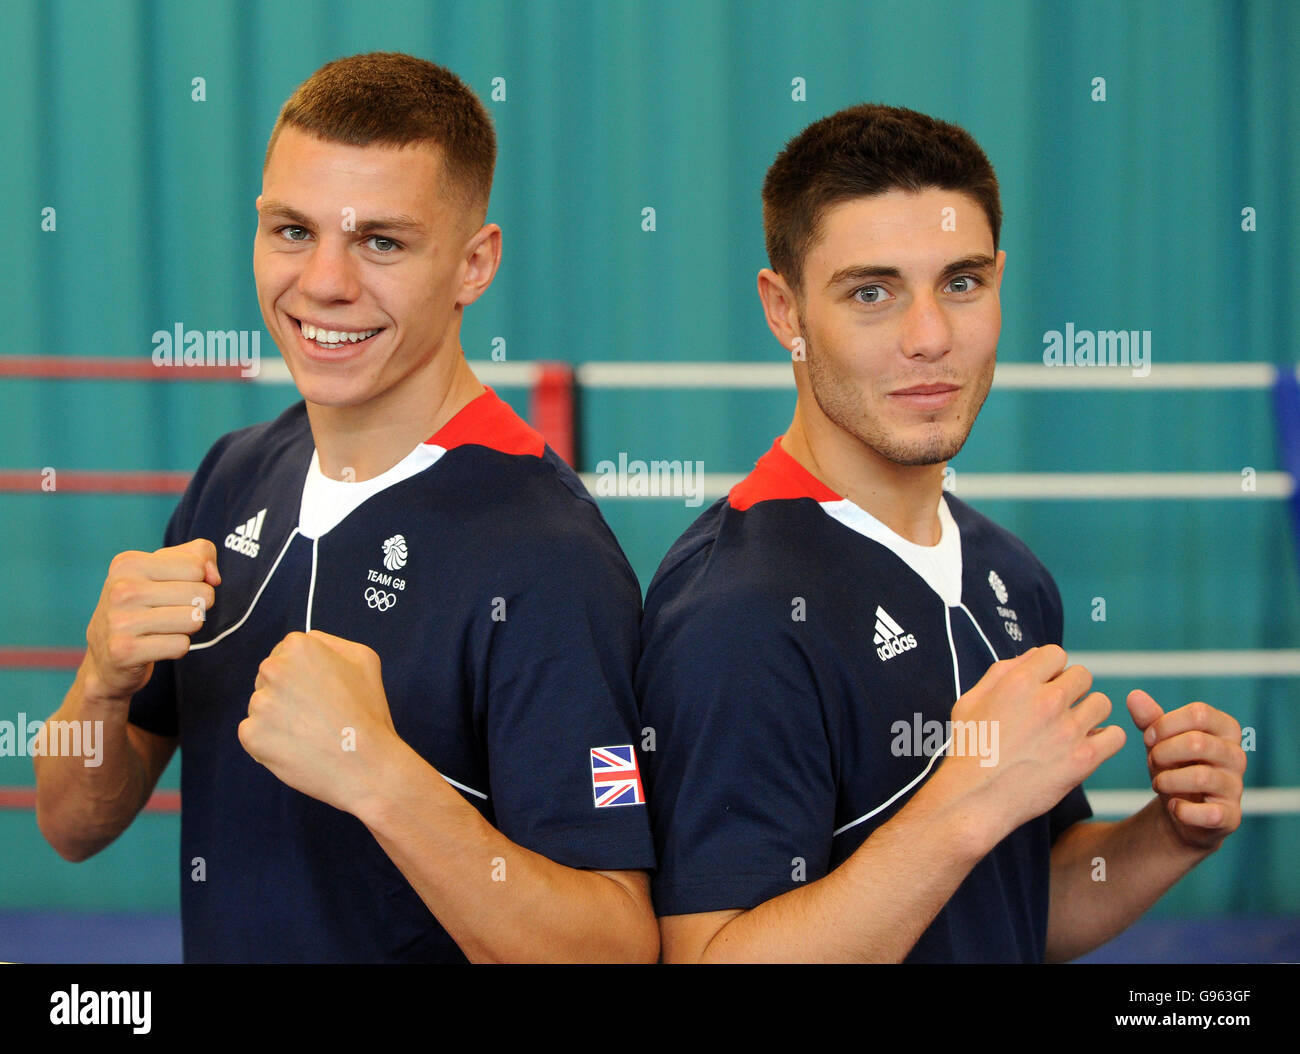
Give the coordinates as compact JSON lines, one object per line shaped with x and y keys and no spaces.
{"x":800,"y":662}
{"x":505,"y":616}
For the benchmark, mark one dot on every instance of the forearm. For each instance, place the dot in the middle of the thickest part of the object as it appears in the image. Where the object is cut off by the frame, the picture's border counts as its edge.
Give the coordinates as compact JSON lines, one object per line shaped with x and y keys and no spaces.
{"x":81,"y":808}
{"x":1140,"y":858}
{"x":875,"y":906}
{"x":499,"y":901}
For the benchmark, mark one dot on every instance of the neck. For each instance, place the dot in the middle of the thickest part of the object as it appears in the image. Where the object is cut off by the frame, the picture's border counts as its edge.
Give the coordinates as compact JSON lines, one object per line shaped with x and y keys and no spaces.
{"x":905,"y":498}
{"x":357,"y":443}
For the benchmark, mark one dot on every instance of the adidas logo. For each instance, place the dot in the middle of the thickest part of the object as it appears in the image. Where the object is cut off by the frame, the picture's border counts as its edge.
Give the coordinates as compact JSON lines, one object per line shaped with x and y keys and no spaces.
{"x":243,"y":539}
{"x":890,"y":638}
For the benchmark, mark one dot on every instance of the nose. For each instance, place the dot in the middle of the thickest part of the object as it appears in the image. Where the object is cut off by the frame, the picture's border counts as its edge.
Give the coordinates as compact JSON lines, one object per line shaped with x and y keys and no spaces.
{"x":329,"y":274}
{"x":926,"y":329}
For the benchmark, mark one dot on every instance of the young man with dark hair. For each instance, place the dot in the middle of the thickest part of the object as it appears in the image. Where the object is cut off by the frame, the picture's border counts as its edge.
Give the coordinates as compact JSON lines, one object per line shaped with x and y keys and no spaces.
{"x":817,"y":641}
{"x":405,"y":700}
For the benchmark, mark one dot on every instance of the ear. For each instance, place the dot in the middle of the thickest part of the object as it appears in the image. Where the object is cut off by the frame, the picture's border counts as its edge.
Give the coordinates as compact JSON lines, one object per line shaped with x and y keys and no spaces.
{"x":1002,"y":261}
{"x":482,"y":258}
{"x":780,"y":307}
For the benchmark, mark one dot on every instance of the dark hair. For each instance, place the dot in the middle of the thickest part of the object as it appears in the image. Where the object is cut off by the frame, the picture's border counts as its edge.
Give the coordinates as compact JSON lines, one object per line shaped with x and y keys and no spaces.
{"x":394,"y":99}
{"x":858,"y":152}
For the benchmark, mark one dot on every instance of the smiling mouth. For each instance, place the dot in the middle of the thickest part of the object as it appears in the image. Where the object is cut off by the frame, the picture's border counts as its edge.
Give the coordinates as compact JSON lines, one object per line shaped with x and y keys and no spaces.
{"x":333,"y":339}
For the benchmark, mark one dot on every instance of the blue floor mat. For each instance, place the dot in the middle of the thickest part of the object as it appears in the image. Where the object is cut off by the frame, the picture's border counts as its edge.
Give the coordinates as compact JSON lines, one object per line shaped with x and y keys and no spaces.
{"x":64,"y":937}
{"x":57,"y":937}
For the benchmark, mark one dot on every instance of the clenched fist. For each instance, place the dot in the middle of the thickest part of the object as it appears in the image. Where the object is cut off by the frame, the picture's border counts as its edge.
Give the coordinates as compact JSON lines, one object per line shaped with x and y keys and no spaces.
{"x":150,"y":605}
{"x":318,"y":718}
{"x":1196,"y":763}
{"x":1047,"y":724}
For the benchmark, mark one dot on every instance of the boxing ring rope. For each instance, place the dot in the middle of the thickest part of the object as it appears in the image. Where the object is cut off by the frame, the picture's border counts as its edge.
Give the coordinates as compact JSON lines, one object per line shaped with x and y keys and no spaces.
{"x":553,"y":388}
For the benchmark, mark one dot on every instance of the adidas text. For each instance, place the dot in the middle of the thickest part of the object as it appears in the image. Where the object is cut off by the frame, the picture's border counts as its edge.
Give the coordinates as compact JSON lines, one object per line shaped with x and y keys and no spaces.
{"x":242,"y":545}
{"x":896,"y":646}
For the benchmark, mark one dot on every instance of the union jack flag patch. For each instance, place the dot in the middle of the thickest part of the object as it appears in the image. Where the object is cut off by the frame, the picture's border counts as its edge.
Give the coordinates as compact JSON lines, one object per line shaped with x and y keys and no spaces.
{"x":615,"y":779}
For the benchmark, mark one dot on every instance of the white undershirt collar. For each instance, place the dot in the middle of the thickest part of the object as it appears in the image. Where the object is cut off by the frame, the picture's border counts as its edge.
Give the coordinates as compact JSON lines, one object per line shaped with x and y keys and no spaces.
{"x":328,"y":502}
{"x":939,"y":565}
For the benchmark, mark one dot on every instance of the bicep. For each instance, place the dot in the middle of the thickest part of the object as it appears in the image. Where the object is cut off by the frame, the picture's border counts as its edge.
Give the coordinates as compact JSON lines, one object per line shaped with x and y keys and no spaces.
{"x":635,"y":883}
{"x":684,"y":938}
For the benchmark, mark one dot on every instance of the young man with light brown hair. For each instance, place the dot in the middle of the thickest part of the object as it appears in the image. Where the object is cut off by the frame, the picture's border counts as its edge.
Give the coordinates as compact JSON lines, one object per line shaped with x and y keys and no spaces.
{"x":390,"y":631}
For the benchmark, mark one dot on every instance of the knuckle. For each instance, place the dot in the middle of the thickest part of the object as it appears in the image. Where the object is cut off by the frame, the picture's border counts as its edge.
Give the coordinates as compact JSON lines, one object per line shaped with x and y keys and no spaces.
{"x":123,"y":562}
{"x":1200,"y":713}
{"x":1081,"y":757}
{"x":1102,"y":704}
{"x":1055,"y":651}
{"x":119,"y":648}
{"x":121,"y":593}
{"x":1019,"y":683}
{"x":1054,"y":695}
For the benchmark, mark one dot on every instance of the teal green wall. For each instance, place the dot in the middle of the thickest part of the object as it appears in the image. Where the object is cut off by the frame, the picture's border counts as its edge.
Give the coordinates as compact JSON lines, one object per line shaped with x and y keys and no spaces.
{"x":1122,"y":214}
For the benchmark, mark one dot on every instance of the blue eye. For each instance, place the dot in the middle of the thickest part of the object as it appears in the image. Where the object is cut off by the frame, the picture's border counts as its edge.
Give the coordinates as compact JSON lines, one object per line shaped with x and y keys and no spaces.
{"x":388,"y":245}
{"x":971,"y":281}
{"x":880,"y":289}
{"x":286,"y":233}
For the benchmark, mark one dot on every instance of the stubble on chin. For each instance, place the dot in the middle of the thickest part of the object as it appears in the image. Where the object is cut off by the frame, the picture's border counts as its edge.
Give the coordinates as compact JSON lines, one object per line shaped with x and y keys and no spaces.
{"x":846,"y":406}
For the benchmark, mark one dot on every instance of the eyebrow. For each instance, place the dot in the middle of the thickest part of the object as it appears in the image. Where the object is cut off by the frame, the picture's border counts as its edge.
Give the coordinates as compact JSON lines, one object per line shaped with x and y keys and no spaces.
{"x":860,"y":272}
{"x":397,"y":222}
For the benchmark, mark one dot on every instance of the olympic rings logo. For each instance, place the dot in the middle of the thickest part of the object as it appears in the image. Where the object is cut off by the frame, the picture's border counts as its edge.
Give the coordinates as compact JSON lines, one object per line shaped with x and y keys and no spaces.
{"x":377,"y":598}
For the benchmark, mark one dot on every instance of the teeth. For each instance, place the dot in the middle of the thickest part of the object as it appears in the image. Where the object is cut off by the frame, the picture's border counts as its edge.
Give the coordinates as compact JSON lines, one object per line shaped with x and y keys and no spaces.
{"x":334,"y":336}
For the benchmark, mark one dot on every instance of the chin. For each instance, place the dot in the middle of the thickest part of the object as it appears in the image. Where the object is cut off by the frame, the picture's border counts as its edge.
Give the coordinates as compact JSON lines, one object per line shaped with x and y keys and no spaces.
{"x":325,"y":393}
{"x":922,"y":450}
{"x":915,"y":459}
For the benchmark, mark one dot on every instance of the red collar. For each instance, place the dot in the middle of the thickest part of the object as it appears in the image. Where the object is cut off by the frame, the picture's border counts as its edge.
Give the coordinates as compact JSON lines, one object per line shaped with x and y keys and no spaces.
{"x":778,"y":476}
{"x":488,"y":421}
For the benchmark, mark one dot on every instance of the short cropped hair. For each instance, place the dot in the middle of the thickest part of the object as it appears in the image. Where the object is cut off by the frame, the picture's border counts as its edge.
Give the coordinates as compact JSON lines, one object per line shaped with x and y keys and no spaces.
{"x":862,"y":151}
{"x":393,"y":99}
